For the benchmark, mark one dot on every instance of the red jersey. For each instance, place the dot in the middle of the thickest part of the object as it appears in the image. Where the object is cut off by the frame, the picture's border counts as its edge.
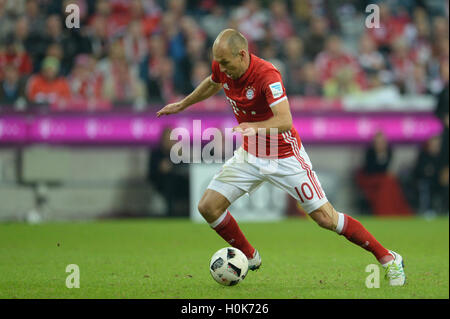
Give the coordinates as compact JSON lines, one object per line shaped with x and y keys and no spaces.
{"x":252,"y":97}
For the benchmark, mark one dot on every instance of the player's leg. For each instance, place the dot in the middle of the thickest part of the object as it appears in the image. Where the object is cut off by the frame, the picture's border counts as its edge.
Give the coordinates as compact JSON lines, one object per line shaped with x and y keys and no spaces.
{"x":214,"y":208}
{"x":307,"y":190}
{"x":305,"y":187}
{"x":327,"y":217}
{"x":234,"y":180}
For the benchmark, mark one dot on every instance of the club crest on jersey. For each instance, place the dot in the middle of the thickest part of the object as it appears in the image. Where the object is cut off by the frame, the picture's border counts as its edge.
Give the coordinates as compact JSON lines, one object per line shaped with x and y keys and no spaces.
{"x":250,"y":93}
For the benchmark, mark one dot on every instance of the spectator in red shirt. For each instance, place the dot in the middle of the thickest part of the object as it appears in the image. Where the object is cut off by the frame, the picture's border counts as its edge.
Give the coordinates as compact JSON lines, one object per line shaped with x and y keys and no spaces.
{"x":86,"y":86}
{"x":113,"y":23}
{"x":119,"y":14}
{"x":14,"y":53}
{"x":84,"y":83}
{"x":390,"y":28}
{"x":339,"y":70}
{"x":147,"y":13}
{"x":381,"y":188}
{"x":47,"y":87}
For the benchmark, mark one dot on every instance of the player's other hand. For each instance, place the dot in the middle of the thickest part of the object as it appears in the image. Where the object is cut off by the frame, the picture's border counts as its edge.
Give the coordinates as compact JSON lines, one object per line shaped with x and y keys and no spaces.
{"x":245,"y":128}
{"x":172,"y":108}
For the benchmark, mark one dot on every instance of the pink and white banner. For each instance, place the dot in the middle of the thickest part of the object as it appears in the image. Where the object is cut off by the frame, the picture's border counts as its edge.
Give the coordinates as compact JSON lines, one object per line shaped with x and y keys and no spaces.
{"x":13,"y":129}
{"x":146,"y":128}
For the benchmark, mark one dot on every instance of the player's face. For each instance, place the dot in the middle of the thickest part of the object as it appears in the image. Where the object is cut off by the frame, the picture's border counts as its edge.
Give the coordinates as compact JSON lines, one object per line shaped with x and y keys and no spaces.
{"x":229,"y":64}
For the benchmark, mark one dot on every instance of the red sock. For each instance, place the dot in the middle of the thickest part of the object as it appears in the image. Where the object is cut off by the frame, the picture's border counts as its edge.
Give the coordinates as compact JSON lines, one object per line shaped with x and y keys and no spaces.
{"x":229,"y":230}
{"x":355,"y":232}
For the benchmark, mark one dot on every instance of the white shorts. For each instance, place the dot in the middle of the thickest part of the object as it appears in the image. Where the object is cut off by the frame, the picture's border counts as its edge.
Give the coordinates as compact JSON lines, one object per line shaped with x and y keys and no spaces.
{"x":244,"y":173}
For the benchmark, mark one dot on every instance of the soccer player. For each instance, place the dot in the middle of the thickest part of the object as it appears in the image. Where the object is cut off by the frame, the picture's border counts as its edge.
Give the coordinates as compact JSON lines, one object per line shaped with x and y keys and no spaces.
{"x":257,"y":95}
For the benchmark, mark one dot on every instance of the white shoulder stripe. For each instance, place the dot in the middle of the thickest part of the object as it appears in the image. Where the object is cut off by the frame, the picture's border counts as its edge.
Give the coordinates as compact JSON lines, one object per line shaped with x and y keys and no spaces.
{"x":278,"y":101}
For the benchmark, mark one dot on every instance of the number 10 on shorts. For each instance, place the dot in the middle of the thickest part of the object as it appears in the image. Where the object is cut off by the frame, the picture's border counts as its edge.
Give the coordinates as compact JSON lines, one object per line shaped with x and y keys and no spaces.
{"x":306,"y":191}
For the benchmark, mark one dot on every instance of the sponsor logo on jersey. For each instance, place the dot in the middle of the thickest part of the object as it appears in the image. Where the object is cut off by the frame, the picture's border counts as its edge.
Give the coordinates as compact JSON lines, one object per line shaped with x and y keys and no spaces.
{"x":225,"y":86}
{"x":277,"y":89}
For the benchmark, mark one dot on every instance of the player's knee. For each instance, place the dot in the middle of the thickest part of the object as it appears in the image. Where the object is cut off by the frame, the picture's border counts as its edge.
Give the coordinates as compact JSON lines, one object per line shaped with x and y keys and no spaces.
{"x":323,"y":219}
{"x":325,"y":222}
{"x":207,"y":209}
{"x":203,"y":208}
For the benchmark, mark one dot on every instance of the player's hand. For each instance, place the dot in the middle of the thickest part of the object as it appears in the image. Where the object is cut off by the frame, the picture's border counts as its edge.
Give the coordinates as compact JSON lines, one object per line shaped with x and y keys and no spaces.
{"x":172,"y":108}
{"x":246,"y":129}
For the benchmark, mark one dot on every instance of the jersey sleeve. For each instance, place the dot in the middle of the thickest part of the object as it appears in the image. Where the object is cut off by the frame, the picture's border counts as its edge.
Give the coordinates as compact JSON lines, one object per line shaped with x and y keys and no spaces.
{"x":215,"y":76}
{"x":273,"y":88}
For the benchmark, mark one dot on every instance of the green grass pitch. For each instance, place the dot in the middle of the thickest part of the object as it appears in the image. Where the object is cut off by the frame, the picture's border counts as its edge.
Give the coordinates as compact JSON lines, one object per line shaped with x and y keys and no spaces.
{"x":158,"y":258}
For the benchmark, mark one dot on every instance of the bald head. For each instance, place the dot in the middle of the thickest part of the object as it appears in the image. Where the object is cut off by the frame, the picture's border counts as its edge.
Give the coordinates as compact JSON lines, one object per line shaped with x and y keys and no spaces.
{"x":230,"y":39}
{"x":230,"y":50}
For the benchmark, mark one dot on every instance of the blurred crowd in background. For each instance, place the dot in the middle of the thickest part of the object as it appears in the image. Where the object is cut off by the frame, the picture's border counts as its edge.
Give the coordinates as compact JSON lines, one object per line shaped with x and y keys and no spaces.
{"x":144,"y":53}
{"x":141,"y":52}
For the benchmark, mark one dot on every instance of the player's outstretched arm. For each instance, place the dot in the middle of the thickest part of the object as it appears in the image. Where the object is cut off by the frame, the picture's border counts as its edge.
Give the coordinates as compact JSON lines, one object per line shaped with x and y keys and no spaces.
{"x":281,"y":120}
{"x":204,"y":90}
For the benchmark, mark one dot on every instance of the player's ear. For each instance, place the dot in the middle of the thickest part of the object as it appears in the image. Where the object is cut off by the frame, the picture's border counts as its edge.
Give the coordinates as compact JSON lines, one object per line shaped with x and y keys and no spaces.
{"x":242,"y":54}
